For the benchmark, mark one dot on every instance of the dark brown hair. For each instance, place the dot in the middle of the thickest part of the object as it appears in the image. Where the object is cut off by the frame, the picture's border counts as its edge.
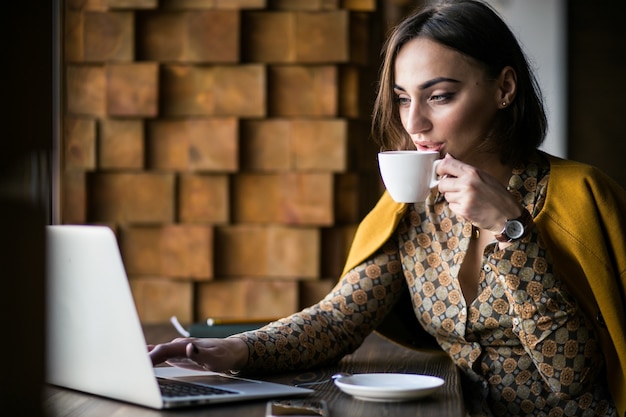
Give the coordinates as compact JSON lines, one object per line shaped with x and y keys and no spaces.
{"x":474,"y":29}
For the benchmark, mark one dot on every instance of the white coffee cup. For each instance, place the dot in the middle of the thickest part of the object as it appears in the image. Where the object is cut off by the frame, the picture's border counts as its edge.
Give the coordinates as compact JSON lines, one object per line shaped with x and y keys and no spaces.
{"x":408,"y":175}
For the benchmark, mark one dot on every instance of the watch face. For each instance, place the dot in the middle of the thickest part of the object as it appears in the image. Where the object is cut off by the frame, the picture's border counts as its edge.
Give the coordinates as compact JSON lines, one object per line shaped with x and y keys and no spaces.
{"x":514,"y":229}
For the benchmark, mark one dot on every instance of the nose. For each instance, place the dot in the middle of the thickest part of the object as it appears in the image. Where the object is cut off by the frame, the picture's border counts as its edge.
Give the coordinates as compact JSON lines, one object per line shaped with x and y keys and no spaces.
{"x":416,"y":120}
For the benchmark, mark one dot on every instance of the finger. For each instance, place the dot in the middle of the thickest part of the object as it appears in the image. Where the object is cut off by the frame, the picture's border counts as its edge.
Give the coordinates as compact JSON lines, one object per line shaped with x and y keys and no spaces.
{"x":211,"y":356}
{"x":455,"y":168}
{"x":201,"y":356}
{"x":191,"y":359}
{"x":162,"y":352}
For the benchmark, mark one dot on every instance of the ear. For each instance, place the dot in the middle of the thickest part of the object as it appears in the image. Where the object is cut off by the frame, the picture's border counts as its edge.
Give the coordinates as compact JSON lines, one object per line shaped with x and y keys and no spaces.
{"x":507,"y":87}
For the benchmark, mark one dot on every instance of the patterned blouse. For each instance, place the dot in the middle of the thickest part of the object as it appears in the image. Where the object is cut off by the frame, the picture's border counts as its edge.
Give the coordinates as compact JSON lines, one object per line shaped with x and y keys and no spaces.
{"x":524,"y":346}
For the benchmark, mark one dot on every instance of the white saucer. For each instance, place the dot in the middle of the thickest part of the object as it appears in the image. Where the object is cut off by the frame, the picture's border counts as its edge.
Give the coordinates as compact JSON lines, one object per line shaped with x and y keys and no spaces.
{"x":388,"y":386}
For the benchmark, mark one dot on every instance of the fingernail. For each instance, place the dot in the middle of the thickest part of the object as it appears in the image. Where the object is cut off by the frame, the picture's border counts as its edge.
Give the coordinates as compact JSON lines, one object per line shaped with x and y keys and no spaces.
{"x":194,"y":348}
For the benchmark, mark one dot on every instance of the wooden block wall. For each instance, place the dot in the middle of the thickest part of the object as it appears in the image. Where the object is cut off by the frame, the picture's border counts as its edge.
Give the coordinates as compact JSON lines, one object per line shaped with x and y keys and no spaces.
{"x":225,"y":141}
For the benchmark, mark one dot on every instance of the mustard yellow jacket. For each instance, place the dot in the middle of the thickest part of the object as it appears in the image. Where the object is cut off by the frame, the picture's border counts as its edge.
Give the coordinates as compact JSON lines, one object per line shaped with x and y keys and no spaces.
{"x":583,"y":224}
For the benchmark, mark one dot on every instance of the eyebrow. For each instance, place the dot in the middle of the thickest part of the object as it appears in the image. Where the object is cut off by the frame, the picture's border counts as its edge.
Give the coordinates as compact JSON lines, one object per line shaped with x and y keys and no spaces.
{"x":430,"y":83}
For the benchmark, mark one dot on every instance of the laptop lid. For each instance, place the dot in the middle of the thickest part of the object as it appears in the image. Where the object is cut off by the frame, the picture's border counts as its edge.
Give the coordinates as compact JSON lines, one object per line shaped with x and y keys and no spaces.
{"x":95,"y":340}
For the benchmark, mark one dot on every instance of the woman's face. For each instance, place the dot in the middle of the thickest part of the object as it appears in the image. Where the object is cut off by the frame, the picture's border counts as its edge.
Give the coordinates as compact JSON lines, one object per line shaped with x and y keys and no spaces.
{"x":445,"y":100}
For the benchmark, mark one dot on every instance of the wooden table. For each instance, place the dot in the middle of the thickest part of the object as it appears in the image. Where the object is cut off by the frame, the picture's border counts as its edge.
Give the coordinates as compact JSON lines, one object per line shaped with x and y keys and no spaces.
{"x":375,"y":355}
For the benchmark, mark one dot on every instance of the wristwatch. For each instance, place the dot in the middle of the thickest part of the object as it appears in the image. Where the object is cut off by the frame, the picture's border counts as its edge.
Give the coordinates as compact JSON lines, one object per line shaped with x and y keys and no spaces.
{"x":515,"y":229}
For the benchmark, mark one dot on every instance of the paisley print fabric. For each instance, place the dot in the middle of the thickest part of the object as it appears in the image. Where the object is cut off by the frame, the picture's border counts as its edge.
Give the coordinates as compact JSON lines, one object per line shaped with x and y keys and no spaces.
{"x":523,"y":345}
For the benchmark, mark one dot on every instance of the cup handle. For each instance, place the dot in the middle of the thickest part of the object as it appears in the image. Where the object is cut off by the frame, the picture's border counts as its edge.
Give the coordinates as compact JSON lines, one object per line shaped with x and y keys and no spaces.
{"x":434,"y":179}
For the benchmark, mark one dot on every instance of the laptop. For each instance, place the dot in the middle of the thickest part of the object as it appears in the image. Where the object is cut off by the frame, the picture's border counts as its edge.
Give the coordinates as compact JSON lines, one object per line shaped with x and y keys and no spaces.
{"x":95,"y":340}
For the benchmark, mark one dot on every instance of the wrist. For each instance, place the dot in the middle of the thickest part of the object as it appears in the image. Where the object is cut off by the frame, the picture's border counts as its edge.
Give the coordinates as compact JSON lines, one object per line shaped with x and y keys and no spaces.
{"x":515,"y":228}
{"x":239,"y":350}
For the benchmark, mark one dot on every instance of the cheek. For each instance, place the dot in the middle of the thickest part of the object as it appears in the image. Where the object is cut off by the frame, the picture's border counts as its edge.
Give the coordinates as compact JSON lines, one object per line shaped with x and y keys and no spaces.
{"x":475,"y":120}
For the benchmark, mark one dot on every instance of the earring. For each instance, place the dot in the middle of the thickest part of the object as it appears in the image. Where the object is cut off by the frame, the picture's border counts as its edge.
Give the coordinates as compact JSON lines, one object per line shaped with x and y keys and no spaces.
{"x":504,"y":104}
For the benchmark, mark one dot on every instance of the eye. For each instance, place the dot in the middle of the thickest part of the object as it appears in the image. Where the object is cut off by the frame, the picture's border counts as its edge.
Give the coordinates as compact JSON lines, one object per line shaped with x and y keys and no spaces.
{"x":402,"y":100}
{"x":441,"y":98}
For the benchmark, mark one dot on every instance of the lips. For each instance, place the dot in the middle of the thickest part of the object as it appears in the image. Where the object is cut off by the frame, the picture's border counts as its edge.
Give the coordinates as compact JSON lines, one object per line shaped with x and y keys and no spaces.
{"x":422,"y":146}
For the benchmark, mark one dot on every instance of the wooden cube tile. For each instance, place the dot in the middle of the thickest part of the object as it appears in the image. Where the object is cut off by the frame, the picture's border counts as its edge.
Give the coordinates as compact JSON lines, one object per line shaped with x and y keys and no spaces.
{"x":363,"y":152}
{"x":214,"y":91}
{"x":347,"y":198}
{"x":359,"y":5}
{"x":92,"y":36}
{"x":246,"y":299}
{"x":187,"y":90}
{"x":240,"y":4}
{"x":212,"y":4}
{"x":158,"y":298}
{"x":336,"y":242}
{"x":198,"y":36}
{"x":255,"y":198}
{"x":194,"y":144}
{"x":361,"y":40}
{"x":311,"y":292}
{"x":296,"y":37}
{"x":132,"y":89}
{"x":288,"y":198}
{"x":213,"y":145}
{"x":306,"y":199}
{"x":320,"y":145}
{"x":86,"y":90}
{"x":305,"y":4}
{"x":131,"y":197}
{"x":265,"y":145}
{"x":187,"y":251}
{"x":294,"y":144}
{"x":85,"y":5}
{"x":73,"y":197}
{"x":240,"y":90}
{"x":167,"y":144}
{"x":293,"y":252}
{"x":267,"y":251}
{"x":109,"y":37}
{"x":141,"y":250}
{"x":213,"y":36}
{"x":356,"y":92}
{"x":186,"y":4}
{"x":162,"y":37}
{"x":173,"y":250}
{"x":322,"y":37}
{"x":269,"y":37}
{"x":203,"y":199}
{"x":79,"y":143}
{"x":316,"y":88}
{"x":351,"y":94}
{"x":132,"y":4}
{"x":74,"y":39}
{"x":121,"y":144}
{"x":241,"y":250}
{"x":355,"y":195}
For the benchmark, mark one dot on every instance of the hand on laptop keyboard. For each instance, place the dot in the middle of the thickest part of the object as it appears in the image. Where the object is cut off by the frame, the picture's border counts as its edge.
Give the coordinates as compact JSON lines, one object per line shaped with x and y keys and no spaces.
{"x":219,"y":355}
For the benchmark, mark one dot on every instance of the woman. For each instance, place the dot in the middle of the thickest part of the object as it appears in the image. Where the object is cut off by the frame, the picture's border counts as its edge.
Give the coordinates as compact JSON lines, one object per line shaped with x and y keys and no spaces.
{"x":534,"y":320}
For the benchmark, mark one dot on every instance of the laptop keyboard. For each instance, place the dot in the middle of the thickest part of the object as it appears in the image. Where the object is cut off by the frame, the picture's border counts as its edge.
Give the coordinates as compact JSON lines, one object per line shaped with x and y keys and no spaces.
{"x":171,"y":388}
